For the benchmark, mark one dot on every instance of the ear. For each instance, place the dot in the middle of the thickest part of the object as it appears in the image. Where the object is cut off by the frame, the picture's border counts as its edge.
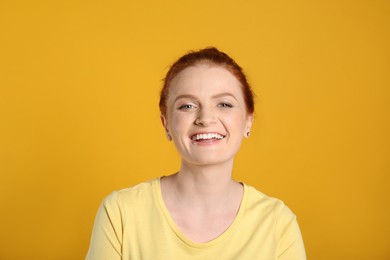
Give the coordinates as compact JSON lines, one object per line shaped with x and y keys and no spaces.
{"x":248,"y":125}
{"x":164,"y":122}
{"x":165,"y":125}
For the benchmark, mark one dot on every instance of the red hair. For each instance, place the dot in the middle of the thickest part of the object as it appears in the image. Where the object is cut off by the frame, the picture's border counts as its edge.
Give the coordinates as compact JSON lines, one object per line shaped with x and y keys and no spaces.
{"x":210,"y":56}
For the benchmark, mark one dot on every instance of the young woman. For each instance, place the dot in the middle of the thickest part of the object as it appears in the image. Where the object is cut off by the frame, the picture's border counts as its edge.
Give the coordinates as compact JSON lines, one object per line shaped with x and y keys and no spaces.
{"x":200,"y":212}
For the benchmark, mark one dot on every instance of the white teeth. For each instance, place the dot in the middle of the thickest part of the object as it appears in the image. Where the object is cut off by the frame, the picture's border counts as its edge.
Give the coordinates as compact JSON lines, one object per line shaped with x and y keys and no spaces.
{"x":207,"y":136}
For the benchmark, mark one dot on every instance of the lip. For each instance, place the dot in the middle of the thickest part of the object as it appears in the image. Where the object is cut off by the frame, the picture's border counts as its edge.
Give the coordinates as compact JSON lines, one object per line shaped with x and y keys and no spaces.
{"x":205,"y":133}
{"x":206,"y":141}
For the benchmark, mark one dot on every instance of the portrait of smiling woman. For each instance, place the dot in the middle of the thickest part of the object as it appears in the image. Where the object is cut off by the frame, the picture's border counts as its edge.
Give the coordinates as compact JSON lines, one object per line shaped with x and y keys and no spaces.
{"x":200,"y":212}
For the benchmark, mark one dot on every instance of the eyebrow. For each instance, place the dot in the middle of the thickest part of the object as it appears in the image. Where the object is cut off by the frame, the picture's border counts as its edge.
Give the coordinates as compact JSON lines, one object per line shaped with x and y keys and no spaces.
{"x":214,"y":97}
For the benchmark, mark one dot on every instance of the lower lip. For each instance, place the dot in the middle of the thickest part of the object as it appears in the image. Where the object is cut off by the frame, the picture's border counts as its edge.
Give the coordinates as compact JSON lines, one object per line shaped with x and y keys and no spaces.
{"x":207,"y":142}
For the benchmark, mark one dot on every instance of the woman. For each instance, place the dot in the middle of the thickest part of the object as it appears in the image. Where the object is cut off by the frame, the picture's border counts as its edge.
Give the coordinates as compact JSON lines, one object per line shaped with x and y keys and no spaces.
{"x":200,"y":212}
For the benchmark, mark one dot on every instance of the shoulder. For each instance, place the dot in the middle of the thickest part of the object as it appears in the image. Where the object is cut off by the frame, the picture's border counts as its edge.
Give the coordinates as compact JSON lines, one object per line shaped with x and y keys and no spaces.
{"x":136,"y":195}
{"x":273,"y":212}
{"x":258,"y":201}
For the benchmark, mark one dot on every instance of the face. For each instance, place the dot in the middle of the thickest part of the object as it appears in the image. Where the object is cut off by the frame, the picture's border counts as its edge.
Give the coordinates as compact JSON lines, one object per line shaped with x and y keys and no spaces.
{"x":206,"y":115}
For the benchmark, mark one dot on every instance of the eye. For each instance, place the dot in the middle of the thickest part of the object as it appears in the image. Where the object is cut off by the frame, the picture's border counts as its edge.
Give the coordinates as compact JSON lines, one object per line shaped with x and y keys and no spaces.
{"x":224,"y":104}
{"x":186,"y":107}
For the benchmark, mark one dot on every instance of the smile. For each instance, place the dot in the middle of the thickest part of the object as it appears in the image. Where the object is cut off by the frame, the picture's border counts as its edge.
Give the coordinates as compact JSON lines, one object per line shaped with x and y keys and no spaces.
{"x":207,"y":136}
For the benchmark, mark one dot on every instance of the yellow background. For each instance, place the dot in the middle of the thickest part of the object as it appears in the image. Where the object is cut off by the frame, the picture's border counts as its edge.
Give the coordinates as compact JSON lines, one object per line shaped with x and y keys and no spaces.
{"x":79,"y":85}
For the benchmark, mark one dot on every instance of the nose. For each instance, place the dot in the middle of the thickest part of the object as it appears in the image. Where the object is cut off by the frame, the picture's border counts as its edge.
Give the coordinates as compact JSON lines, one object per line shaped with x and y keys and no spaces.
{"x":205,"y":117}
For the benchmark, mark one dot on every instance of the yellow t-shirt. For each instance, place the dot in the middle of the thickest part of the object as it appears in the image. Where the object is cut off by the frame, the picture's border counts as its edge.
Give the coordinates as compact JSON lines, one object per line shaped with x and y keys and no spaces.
{"x":134,"y":223}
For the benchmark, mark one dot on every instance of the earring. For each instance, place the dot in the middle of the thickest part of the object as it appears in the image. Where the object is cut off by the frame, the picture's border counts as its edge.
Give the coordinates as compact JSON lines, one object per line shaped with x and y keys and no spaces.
{"x":248,"y":134}
{"x":169,"y":137}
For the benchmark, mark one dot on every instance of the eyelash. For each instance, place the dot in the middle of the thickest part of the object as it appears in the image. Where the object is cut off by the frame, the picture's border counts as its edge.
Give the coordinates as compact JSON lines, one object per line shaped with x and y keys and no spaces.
{"x":225,"y":105}
{"x":186,"y":107}
{"x":189,"y":106}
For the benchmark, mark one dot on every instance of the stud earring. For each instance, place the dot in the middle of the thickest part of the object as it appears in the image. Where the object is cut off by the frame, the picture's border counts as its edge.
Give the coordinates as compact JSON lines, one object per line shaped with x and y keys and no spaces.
{"x":169,"y":137}
{"x":248,"y":134}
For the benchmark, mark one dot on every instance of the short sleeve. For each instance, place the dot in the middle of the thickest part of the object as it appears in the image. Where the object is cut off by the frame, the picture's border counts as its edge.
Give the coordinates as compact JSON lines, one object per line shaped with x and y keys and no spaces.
{"x":106,"y":240}
{"x":288,"y":235}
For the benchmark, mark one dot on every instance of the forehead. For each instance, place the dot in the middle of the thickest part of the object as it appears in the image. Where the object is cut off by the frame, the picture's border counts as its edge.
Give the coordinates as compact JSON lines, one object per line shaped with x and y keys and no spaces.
{"x":205,"y":78}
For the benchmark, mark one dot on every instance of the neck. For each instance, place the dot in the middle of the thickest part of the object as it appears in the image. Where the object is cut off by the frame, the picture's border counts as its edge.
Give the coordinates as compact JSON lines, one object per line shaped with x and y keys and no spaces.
{"x":205,"y":186}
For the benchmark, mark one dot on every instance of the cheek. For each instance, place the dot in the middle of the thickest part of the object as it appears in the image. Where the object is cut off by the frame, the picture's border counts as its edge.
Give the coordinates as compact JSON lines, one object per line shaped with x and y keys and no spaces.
{"x":180,"y":122}
{"x":237,"y":122}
